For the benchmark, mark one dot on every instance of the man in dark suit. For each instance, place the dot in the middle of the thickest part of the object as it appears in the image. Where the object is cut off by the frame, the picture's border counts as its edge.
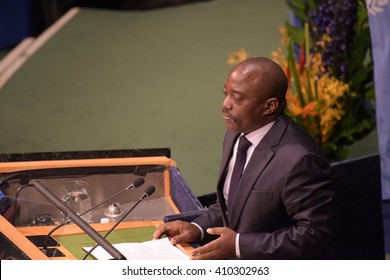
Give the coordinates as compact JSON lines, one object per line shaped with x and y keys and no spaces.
{"x":283,"y":205}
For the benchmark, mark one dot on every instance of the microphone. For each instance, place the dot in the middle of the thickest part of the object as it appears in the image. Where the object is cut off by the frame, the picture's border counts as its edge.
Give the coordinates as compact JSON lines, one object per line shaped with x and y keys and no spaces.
{"x":79,"y":221}
{"x":137,"y":183}
{"x":148,"y":192}
{"x":23,"y":179}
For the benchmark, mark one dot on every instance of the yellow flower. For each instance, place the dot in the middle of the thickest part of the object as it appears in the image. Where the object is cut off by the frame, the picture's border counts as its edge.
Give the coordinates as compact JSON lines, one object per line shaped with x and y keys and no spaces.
{"x":325,"y":40}
{"x":279,"y":58}
{"x":331,"y":95}
{"x":284,"y":36}
{"x":237,"y":56}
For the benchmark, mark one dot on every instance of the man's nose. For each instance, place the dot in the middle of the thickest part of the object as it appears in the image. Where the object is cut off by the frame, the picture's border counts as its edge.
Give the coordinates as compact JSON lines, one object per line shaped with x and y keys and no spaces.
{"x":227,"y":103}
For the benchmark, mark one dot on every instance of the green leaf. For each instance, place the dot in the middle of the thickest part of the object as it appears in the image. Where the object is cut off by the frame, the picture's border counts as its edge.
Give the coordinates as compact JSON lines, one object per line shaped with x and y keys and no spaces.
{"x":361,"y":76}
{"x":349,"y":134}
{"x":362,"y":16}
{"x":300,"y":4}
{"x":370,"y":93}
{"x":312,"y":4}
{"x":297,"y":83}
{"x":295,"y":34}
{"x":299,"y":12}
{"x":334,"y":153}
{"x":307,"y":57}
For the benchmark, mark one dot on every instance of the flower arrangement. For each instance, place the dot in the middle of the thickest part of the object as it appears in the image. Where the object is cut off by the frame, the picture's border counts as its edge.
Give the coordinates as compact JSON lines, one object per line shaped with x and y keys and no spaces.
{"x":326,"y":55}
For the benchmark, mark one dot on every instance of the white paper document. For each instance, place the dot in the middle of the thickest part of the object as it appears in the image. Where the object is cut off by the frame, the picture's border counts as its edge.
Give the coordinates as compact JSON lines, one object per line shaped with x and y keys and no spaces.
{"x":160,"y":249}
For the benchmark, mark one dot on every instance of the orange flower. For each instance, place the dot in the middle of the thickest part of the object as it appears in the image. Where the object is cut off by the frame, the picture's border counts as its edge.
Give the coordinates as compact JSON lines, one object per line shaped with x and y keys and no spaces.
{"x":310,"y":109}
{"x":293,"y":104}
{"x":237,"y":56}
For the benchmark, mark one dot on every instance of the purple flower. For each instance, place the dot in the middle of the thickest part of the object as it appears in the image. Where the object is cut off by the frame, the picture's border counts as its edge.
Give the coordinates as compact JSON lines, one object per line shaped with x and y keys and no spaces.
{"x":336,"y":19}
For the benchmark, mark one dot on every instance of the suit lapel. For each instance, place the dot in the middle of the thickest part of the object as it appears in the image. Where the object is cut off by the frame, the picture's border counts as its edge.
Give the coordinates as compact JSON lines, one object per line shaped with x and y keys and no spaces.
{"x":262,"y":155}
{"x":259,"y":160}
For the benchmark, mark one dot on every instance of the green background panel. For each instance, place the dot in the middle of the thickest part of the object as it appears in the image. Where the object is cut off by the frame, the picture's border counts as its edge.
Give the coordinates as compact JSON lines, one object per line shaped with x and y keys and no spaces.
{"x":75,"y":243}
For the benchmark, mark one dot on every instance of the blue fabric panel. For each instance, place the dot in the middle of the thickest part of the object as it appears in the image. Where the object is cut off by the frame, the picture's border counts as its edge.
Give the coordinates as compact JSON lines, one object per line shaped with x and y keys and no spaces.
{"x":15,"y":21}
{"x":181,"y":193}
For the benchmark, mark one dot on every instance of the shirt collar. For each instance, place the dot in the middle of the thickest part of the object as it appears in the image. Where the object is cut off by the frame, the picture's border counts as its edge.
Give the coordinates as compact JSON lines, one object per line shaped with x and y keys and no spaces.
{"x":255,"y":136}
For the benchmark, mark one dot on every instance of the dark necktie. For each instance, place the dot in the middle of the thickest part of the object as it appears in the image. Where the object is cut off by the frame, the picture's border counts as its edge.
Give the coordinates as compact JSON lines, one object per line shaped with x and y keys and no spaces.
{"x":242,"y":149}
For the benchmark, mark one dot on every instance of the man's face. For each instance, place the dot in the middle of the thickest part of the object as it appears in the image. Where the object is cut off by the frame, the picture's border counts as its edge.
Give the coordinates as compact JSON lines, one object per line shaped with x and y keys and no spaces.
{"x":243,"y":105}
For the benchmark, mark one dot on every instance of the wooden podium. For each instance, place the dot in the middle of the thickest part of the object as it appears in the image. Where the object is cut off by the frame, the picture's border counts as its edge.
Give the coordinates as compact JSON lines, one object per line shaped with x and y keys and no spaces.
{"x":22,"y":240}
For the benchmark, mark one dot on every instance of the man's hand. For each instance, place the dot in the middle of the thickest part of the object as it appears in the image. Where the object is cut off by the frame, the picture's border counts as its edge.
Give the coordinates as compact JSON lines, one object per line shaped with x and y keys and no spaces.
{"x":221,"y":248}
{"x":178,"y":232}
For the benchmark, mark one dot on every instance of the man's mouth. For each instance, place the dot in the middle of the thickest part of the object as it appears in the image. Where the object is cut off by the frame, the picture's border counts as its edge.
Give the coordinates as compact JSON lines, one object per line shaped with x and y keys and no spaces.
{"x":228,"y":116}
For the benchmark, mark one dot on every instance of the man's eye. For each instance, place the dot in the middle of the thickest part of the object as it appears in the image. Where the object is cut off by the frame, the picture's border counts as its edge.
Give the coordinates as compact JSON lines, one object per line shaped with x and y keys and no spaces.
{"x":237,"y":97}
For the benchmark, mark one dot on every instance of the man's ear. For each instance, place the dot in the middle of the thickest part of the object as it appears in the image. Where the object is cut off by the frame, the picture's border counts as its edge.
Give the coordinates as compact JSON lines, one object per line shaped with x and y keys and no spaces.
{"x":271,"y":105}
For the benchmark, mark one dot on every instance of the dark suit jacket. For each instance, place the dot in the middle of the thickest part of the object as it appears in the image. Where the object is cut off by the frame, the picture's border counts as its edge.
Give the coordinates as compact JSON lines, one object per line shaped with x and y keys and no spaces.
{"x":284,"y":207}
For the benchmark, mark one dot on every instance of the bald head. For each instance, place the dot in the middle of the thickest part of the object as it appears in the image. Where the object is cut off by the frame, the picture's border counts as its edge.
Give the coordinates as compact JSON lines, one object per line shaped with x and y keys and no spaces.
{"x":266,"y":75}
{"x":255,"y":92}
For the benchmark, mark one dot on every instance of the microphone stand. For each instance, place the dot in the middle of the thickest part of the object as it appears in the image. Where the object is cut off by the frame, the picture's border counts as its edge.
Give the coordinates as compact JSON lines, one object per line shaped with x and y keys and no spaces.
{"x":79,"y":221}
{"x":147,"y":193}
{"x":135,"y":184}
